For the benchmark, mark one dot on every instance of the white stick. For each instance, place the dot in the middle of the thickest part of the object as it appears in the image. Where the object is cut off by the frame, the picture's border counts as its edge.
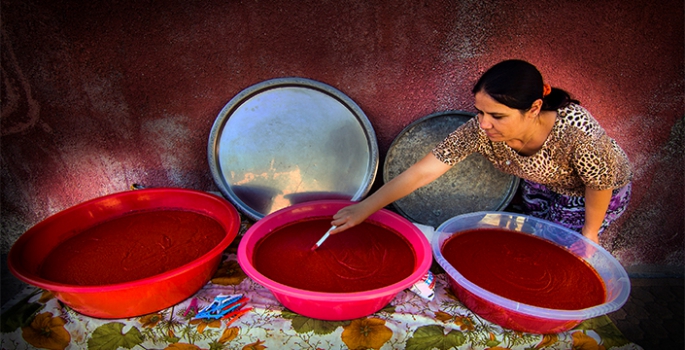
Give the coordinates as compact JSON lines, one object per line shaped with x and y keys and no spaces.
{"x":325,"y":236}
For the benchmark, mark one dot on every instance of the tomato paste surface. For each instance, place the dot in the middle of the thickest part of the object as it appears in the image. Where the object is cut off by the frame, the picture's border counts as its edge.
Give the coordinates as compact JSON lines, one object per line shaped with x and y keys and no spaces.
{"x":362,"y":258}
{"x":524,"y":268}
{"x":132,"y":247}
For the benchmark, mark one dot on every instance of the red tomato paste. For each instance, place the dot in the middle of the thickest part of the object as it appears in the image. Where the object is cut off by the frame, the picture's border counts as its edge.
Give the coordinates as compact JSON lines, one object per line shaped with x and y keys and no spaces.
{"x":362,"y":258}
{"x":132,"y":247}
{"x":524,"y":268}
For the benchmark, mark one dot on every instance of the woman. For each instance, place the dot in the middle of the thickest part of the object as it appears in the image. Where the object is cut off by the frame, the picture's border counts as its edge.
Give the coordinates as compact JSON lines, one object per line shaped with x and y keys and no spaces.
{"x":573,"y":173}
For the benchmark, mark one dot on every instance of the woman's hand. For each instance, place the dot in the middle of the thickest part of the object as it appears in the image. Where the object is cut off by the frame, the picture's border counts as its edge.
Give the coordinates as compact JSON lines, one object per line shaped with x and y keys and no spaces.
{"x":350,"y":216}
{"x":590,"y":234}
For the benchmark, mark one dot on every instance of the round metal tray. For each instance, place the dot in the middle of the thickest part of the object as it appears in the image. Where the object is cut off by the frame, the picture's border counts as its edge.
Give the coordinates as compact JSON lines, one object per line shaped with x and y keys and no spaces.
{"x":474,"y":184}
{"x":290,"y":140}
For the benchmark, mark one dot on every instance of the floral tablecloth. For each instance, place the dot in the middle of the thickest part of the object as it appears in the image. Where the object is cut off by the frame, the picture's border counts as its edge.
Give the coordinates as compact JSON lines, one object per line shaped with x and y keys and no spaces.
{"x":35,"y":319}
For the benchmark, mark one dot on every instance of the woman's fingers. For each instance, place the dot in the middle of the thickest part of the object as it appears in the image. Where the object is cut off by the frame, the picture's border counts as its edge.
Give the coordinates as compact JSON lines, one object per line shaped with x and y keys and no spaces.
{"x":341,"y":224}
{"x":344,"y":219}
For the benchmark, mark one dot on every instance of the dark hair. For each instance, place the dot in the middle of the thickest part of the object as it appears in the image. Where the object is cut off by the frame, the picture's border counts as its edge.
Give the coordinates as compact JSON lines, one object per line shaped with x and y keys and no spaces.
{"x":517,"y":84}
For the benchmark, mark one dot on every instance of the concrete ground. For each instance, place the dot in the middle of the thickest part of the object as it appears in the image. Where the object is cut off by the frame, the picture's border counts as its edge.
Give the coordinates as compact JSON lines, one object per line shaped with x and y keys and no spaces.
{"x":653,"y":315}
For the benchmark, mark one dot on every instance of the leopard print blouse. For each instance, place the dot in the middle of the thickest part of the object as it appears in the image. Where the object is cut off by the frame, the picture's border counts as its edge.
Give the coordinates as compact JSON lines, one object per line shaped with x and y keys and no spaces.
{"x":576,"y":154}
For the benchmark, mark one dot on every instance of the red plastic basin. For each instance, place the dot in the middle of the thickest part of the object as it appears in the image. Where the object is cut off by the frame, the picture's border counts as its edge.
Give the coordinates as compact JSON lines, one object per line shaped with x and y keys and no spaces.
{"x":333,"y":306}
{"x":136,"y":297}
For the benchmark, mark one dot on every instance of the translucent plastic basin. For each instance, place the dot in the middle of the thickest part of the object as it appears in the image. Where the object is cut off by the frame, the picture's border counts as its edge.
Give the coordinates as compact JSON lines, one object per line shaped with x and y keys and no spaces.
{"x":519,"y":316}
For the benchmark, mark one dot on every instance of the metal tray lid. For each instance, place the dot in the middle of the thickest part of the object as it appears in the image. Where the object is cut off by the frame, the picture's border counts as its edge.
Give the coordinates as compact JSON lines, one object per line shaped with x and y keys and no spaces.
{"x":290,"y":140}
{"x":474,"y":184}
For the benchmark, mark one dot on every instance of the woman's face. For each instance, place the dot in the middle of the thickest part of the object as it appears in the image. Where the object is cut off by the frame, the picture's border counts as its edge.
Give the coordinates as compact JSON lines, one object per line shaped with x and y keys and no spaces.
{"x":499,"y":122}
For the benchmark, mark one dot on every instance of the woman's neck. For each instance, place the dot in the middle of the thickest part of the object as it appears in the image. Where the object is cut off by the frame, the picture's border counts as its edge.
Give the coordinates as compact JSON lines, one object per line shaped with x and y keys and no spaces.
{"x":540,"y":129}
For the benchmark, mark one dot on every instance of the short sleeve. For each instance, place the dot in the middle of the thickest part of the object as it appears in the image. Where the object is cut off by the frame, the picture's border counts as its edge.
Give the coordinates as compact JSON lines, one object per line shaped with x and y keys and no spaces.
{"x":600,"y":163}
{"x":459,"y":144}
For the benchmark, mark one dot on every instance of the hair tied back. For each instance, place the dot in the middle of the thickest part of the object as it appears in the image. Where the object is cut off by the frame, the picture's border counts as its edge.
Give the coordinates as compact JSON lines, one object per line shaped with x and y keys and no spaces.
{"x":546,"y":90}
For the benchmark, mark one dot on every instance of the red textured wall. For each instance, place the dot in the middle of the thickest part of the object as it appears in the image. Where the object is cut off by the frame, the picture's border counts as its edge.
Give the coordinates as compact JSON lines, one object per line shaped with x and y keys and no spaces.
{"x":99,"y":95}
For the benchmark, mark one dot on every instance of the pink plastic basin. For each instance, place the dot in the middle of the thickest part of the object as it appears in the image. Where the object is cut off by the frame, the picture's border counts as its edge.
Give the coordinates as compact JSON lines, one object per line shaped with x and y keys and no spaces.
{"x":333,"y":306}
{"x":132,"y":298}
{"x":516,"y":315}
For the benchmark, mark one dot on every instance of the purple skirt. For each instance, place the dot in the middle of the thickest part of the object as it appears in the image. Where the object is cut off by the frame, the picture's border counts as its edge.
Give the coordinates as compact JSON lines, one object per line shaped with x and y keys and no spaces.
{"x":569,"y":211}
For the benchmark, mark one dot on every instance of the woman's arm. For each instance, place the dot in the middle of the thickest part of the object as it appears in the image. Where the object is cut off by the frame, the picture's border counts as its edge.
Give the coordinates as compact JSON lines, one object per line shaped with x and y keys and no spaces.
{"x":596,"y":205}
{"x":420,"y":174}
